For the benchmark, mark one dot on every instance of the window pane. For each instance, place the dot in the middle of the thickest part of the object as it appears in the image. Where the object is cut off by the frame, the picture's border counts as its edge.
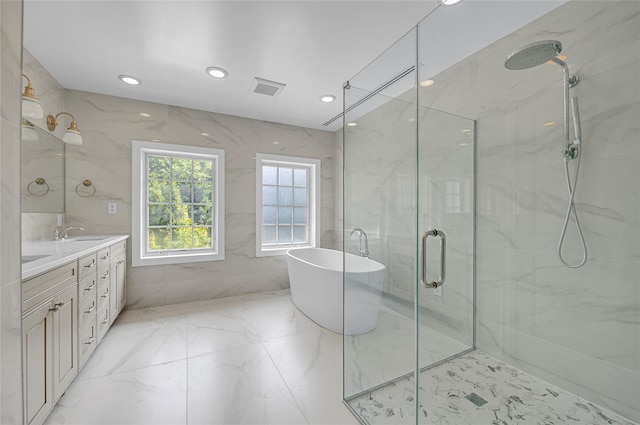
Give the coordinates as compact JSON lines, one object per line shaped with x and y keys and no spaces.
{"x":300,"y":177}
{"x":268,"y":234}
{"x":300,"y":196}
{"x":202,"y":170}
{"x":159,"y":167}
{"x":181,"y":168}
{"x":202,"y":215}
{"x":159,"y":191}
{"x":202,"y":237}
{"x":159,"y":215}
{"x":202,"y":193}
{"x":269,"y":215}
{"x":300,"y":215}
{"x":181,"y":215}
{"x":159,"y":239}
{"x":300,"y":233}
{"x":184,"y":192}
{"x":285,"y":195}
{"x":182,"y":237}
{"x":285,"y":176}
{"x":284,"y":234}
{"x":269,"y":175}
{"x":269,"y":195}
{"x":284,"y":215}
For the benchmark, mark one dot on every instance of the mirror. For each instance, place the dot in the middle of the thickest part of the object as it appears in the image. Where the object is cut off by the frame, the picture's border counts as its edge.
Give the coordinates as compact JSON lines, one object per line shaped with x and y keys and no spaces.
{"x":42,"y":173}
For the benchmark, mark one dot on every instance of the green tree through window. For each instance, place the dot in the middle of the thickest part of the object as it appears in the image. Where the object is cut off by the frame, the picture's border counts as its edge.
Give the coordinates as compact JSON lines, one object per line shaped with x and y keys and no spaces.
{"x":180,"y":196}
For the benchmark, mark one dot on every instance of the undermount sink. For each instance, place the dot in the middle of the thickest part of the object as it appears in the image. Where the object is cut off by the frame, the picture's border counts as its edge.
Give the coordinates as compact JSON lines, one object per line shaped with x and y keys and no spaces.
{"x":29,"y":258}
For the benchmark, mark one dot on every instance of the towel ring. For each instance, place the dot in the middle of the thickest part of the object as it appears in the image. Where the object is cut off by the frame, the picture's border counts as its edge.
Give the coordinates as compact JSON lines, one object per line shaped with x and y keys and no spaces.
{"x":86,"y":189}
{"x":40,"y":182}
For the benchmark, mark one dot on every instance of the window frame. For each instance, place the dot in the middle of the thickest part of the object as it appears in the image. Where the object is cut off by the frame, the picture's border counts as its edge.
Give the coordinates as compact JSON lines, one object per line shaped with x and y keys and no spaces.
{"x":141,"y":150}
{"x":313,"y":202}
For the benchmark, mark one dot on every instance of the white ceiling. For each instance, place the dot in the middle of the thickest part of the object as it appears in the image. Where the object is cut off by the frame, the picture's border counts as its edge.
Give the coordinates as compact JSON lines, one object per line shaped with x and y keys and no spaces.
{"x":311,"y":46}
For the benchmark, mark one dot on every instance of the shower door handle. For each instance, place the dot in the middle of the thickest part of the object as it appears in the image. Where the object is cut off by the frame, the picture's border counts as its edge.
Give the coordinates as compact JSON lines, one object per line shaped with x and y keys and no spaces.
{"x":443,"y":245}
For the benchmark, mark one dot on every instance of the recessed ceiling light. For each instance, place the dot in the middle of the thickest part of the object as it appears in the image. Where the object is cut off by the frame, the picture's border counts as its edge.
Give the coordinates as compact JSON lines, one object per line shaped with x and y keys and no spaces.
{"x":276,"y":143}
{"x":352,"y":124}
{"x":327,"y":98}
{"x":128,"y":79}
{"x":547,"y":124}
{"x":144,"y":114}
{"x":449,"y":2}
{"x":216,"y":72}
{"x":204,"y":134}
{"x":155,"y":140}
{"x":426,"y":83}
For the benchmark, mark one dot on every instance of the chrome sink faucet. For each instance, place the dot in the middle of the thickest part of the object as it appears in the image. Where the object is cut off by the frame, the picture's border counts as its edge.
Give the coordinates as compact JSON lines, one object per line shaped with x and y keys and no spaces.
{"x":62,"y":234}
{"x":363,"y":249}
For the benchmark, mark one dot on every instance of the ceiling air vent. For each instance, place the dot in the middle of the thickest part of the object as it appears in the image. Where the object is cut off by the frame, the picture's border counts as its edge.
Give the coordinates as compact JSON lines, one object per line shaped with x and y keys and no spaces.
{"x":262,"y":86}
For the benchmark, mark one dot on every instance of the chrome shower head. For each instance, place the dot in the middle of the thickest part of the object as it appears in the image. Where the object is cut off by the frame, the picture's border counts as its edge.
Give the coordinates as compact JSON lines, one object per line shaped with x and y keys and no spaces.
{"x":533,"y":54}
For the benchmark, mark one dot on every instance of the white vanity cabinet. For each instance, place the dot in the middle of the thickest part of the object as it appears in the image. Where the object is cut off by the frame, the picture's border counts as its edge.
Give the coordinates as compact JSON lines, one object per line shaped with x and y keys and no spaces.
{"x":88,"y":327}
{"x":118,"y":278}
{"x":49,"y":339}
{"x":68,"y":305}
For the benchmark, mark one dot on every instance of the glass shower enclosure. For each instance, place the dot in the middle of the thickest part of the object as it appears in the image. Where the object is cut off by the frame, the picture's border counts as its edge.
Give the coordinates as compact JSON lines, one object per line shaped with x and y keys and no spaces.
{"x":408,"y":185}
{"x":455,"y":179}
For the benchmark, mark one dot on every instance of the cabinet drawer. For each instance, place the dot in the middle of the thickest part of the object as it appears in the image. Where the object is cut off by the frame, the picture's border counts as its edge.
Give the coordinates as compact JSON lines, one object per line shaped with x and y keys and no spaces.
{"x":118,"y":247}
{"x":104,"y":255}
{"x":87,"y":311}
{"x":87,"y":339}
{"x":40,"y":288}
{"x":87,"y":288}
{"x":86,"y":266}
{"x":103,"y":293}
{"x":104,"y":320}
{"x":103,"y":277}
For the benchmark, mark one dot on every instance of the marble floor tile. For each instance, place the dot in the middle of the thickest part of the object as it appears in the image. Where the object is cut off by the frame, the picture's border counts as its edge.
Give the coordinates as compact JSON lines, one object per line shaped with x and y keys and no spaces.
{"x":218,"y":327}
{"x":510,"y":397}
{"x":153,"y":395}
{"x":239,"y":386}
{"x":256,"y":359}
{"x":132,"y":344}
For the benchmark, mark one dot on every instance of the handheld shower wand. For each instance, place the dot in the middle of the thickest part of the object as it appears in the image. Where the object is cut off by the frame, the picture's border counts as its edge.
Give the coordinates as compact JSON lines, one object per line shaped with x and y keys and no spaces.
{"x":536,"y":54}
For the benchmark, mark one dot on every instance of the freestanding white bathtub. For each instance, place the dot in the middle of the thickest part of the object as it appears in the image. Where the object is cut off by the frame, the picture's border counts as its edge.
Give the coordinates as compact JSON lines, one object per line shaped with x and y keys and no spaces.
{"x":315,"y":277}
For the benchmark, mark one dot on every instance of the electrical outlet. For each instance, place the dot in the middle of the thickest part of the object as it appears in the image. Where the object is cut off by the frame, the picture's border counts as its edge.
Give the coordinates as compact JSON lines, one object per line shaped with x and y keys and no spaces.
{"x":112,"y":208}
{"x":437,"y":291}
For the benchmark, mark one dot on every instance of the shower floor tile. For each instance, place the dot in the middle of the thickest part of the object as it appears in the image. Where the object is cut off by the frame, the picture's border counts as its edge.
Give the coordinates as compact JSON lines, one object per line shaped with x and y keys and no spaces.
{"x":512,"y":397}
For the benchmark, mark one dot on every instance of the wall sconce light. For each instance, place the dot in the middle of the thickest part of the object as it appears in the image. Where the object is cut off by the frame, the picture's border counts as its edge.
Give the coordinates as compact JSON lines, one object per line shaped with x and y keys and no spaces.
{"x":30,"y":106}
{"x":72,"y":136}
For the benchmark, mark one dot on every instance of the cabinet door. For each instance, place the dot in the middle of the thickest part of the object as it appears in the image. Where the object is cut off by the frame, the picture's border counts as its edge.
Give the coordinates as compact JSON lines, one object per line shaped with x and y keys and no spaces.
{"x":37,"y":335}
{"x":65,"y":340}
{"x":118,"y":285}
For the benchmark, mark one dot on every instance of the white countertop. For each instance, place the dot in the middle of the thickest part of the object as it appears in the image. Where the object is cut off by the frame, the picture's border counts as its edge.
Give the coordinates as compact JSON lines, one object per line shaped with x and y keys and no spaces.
{"x":57,"y":253}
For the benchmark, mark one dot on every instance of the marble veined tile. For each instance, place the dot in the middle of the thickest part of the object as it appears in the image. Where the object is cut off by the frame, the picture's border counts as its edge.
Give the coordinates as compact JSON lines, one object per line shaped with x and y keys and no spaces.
{"x":504,"y":395}
{"x":239,"y":386}
{"x":152,"y":395}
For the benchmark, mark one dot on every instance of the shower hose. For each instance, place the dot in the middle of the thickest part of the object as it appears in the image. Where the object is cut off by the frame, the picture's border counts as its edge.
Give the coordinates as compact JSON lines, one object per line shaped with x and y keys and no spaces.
{"x":571,"y":208}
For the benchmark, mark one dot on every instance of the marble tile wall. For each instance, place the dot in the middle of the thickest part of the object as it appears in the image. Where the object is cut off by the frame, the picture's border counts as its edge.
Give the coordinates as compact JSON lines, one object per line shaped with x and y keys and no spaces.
{"x":10,"y":272}
{"x":577,"y":328}
{"x":108,"y":124}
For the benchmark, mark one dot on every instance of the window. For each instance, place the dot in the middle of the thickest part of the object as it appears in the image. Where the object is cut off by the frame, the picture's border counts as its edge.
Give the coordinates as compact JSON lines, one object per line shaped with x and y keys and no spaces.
{"x":178,"y":204}
{"x":287,"y":203}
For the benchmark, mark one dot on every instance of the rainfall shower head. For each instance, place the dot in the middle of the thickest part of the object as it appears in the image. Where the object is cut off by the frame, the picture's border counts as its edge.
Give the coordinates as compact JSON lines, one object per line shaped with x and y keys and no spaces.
{"x":533,"y":54}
